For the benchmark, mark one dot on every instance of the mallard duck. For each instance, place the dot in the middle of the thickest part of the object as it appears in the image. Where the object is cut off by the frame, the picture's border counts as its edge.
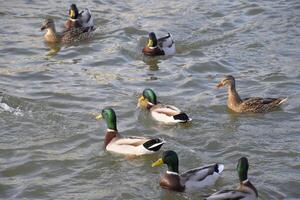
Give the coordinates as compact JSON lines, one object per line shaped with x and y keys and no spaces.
{"x":114,"y":142}
{"x":163,"y":113}
{"x":82,"y":19}
{"x":159,"y":47}
{"x":68,"y":36}
{"x":253,"y":104}
{"x":190,"y":180}
{"x":245,"y":191}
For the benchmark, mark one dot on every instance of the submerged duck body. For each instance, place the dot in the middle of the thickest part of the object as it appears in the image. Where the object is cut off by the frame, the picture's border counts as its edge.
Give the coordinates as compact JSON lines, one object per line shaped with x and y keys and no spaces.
{"x":116,"y":143}
{"x":252,"y":104}
{"x":245,"y":190}
{"x":82,"y":19}
{"x":163,"y":113}
{"x":159,"y":47}
{"x":190,"y":180}
{"x":66,"y":37}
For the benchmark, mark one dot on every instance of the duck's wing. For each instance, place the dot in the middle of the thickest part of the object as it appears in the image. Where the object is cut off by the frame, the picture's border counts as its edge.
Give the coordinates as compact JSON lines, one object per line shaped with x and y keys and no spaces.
{"x":135,"y":145}
{"x":261,"y":104}
{"x":75,"y":34}
{"x":169,"y":114}
{"x":227,"y":195}
{"x":86,"y":18}
{"x":200,"y":173}
{"x":165,"y":42}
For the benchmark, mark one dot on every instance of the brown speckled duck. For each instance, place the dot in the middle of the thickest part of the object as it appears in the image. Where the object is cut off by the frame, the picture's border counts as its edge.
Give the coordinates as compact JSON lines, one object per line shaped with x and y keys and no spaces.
{"x":252,"y":104}
{"x":245,"y":190}
{"x":189,"y":181}
{"x":65,"y":37}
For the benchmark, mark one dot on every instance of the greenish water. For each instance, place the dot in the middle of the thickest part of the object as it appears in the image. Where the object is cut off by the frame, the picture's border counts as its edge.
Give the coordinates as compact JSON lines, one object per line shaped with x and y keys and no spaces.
{"x":50,"y":145}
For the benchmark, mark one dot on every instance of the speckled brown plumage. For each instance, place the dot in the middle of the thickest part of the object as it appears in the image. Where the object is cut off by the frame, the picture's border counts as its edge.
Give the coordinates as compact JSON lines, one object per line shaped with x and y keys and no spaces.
{"x":252,"y":104}
{"x":66,"y":37}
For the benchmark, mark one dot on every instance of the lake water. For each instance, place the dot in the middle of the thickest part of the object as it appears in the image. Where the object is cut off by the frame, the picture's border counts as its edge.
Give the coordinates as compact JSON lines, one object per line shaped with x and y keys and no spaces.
{"x":51,"y":147}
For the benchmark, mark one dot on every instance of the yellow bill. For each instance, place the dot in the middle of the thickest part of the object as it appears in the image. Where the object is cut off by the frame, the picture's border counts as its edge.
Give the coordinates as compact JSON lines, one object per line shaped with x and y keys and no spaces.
{"x":150,"y":43}
{"x":98,"y":116}
{"x":72,"y":13}
{"x":157,"y":163}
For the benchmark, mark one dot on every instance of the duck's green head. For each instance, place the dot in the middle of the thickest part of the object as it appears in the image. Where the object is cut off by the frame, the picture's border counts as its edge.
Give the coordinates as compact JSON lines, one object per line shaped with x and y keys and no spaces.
{"x":110,"y":117}
{"x":242,"y":168}
{"x":148,"y":97}
{"x":169,"y":158}
{"x":73,"y":11}
{"x":152,"y":40}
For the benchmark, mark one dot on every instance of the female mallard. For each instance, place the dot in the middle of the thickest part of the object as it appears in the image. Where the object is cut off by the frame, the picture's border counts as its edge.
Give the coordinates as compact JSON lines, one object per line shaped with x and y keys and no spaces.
{"x":253,"y":104}
{"x":159,"y":47}
{"x":114,"y":142}
{"x":82,"y":19}
{"x":163,"y":113}
{"x":245,"y":191}
{"x":190,"y":180}
{"x":65,"y":37}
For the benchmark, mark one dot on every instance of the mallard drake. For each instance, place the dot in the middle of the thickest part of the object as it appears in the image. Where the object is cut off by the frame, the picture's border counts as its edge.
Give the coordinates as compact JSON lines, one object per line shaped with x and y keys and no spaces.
{"x":245,"y":191}
{"x":253,"y":104}
{"x":114,"y":142}
{"x":163,"y":113}
{"x":159,"y":47}
{"x":190,"y":180}
{"x":82,"y":19}
{"x":68,"y":36}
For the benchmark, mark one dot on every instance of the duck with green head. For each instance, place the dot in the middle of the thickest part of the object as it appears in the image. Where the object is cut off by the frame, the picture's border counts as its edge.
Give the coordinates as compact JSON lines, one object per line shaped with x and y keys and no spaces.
{"x":82,"y":19}
{"x":163,"y":113}
{"x":114,"y":142}
{"x":245,"y":190}
{"x":159,"y":47}
{"x":66,"y":37}
{"x":190,"y":180}
{"x":252,"y":104}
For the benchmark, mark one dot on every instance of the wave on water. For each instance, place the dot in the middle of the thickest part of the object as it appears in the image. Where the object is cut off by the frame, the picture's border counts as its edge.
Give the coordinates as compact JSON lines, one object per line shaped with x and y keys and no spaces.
{"x":6,"y":108}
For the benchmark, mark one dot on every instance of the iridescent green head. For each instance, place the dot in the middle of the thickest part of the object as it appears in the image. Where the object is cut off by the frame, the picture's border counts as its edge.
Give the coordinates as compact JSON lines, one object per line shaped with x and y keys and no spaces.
{"x":152,"y":41}
{"x":169,"y":158}
{"x":242,"y":168}
{"x":110,"y":117}
{"x":150,"y":96}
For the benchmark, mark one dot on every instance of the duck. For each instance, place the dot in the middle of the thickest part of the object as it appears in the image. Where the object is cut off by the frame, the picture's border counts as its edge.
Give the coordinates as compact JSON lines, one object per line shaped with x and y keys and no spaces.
{"x":245,"y":190}
{"x":167,"y":114}
{"x":252,"y":104}
{"x":190,"y":180}
{"x":66,"y":37}
{"x":82,"y":19}
{"x":115,"y":142}
{"x":159,"y":47}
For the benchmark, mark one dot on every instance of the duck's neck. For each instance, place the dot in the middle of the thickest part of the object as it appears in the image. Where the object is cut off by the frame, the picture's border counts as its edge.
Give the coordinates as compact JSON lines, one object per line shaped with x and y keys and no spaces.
{"x":247,"y":185}
{"x":233,"y":97}
{"x":110,"y":134}
{"x":173,"y":168}
{"x":51,"y":35}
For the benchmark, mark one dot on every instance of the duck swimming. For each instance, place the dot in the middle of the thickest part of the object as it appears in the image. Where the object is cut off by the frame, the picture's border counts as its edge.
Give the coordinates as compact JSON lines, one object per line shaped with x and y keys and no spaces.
{"x":190,"y":180}
{"x":114,"y":142}
{"x":82,"y":19}
{"x":252,"y":104}
{"x":66,"y":37}
{"x":163,"y":113}
{"x":245,"y":190}
{"x":159,"y":47}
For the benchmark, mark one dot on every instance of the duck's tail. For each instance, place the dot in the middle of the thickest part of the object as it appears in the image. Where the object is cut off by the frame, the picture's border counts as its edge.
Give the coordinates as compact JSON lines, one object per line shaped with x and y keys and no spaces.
{"x":282,"y":100}
{"x":154,"y":144}
{"x":182,"y":117}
